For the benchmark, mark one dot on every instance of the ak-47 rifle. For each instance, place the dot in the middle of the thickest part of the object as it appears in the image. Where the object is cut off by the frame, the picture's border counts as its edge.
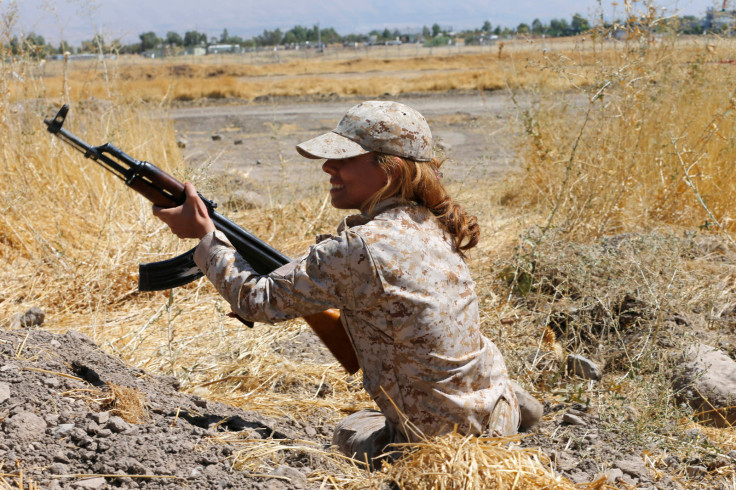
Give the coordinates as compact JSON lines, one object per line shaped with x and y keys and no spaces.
{"x":164,"y":190}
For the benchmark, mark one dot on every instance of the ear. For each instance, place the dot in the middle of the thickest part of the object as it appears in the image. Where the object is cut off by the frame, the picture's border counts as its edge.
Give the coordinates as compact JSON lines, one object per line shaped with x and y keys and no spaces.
{"x":395,"y":169}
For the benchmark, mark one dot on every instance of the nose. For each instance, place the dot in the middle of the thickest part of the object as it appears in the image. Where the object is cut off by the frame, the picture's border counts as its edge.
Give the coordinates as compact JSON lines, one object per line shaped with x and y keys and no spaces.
{"x":330,"y":167}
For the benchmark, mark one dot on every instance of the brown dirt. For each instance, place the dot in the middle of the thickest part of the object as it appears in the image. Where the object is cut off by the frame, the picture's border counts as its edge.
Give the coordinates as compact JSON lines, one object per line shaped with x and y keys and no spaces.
{"x":61,"y":429}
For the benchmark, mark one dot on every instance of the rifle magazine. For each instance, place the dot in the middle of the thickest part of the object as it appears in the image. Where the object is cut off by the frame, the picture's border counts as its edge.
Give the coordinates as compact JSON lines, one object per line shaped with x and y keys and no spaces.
{"x":168,"y":274}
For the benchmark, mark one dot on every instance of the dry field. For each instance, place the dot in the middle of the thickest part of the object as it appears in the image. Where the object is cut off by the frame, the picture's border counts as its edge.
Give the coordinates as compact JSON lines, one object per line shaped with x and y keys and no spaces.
{"x":644,"y":163}
{"x":508,"y":64}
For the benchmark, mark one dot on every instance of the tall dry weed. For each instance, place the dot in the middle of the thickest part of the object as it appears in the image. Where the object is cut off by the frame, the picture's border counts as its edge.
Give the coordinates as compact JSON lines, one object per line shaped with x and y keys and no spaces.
{"x":623,"y":181}
{"x":69,"y":232}
{"x":648,"y":141}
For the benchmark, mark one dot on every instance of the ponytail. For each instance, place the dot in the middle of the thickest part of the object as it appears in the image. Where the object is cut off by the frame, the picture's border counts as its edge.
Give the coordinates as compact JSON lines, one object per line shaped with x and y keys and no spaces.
{"x":420,"y":182}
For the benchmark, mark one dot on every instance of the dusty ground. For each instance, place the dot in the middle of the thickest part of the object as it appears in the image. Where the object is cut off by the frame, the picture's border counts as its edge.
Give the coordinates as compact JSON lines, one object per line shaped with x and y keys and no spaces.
{"x":256,"y":141}
{"x":66,"y":423}
{"x":60,"y":425}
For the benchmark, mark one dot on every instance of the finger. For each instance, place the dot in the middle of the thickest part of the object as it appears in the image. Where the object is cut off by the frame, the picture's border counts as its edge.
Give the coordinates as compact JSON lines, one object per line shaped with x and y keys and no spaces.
{"x":198,"y":206}
{"x":163,"y":213}
{"x":189,"y":189}
{"x":193,"y":196}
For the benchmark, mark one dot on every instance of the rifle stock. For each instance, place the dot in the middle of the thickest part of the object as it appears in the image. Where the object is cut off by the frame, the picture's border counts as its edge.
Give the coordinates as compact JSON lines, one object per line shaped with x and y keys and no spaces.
{"x":164,"y":190}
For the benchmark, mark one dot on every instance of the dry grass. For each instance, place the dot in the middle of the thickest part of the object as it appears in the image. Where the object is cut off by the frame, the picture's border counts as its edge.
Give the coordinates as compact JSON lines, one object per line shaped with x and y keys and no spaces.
{"x":16,"y":480}
{"x":637,"y":148}
{"x":127,"y":403}
{"x":449,"y":462}
{"x":533,"y":65}
{"x":610,"y":160}
{"x":455,"y":462}
{"x":176,"y":80}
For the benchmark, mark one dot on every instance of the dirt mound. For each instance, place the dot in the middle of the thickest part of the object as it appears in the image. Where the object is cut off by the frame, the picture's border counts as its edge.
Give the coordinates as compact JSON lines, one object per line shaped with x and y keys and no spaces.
{"x":74,"y":417}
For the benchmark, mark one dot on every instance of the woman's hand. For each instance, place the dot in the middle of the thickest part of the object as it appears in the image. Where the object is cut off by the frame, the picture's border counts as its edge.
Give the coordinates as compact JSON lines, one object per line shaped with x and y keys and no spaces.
{"x":190,"y":220}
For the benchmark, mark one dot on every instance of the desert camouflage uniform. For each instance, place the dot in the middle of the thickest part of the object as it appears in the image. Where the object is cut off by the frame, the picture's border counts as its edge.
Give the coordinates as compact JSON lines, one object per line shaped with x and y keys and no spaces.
{"x":408,"y":303}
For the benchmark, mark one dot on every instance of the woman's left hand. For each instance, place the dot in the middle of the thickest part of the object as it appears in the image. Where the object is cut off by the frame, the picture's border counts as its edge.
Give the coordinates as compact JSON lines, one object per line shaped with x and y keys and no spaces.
{"x":189,"y":220}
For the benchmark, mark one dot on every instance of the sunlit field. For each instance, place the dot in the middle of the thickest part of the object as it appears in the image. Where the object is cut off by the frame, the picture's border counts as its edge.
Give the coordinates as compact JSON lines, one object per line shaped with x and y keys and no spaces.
{"x":630,"y":140}
{"x":508,"y":64}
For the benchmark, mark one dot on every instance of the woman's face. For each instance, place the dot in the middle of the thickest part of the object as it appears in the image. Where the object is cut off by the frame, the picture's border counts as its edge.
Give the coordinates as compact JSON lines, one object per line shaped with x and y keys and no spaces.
{"x":354,"y":180}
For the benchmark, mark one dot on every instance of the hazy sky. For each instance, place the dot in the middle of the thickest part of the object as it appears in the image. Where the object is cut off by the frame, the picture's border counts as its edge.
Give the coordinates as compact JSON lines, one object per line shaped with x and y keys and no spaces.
{"x":77,"y":20}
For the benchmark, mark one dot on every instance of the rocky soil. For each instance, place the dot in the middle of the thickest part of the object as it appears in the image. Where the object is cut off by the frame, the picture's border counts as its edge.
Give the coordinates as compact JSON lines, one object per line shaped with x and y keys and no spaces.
{"x":75,"y":417}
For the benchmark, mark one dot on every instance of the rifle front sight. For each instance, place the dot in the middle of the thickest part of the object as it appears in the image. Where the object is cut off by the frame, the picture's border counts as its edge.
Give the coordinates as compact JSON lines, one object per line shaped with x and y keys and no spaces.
{"x":55,"y":124}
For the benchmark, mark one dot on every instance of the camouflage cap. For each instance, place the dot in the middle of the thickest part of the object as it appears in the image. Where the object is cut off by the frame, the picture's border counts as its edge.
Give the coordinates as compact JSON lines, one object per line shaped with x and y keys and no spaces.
{"x":383,"y":126}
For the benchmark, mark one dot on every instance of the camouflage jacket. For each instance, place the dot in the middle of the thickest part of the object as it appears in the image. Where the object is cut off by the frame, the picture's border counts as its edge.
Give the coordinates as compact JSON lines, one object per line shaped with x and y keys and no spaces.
{"x":408,"y":303}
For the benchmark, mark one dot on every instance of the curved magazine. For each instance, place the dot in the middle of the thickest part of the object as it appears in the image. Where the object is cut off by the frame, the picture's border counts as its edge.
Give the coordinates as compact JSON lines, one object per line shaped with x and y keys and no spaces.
{"x":167,"y":274}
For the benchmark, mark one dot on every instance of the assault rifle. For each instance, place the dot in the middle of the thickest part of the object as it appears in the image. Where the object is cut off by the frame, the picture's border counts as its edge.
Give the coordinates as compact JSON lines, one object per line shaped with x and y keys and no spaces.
{"x":164,"y":190}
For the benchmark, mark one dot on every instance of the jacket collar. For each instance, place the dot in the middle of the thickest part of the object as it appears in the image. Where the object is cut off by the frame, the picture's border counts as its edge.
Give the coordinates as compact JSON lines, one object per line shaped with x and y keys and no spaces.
{"x":361,"y":219}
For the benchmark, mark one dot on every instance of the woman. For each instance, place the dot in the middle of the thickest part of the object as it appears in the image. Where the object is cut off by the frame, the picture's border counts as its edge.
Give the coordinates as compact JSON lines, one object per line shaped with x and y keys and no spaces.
{"x":396,"y":271}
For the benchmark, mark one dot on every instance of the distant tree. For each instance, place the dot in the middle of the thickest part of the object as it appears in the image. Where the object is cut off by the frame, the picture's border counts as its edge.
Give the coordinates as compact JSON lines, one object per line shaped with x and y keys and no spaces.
{"x":469,"y":37}
{"x":130,"y":48}
{"x":579,"y":24}
{"x":313,"y":34}
{"x":565,"y":28}
{"x":149,"y":40}
{"x":440,"y":40}
{"x":276,"y":37}
{"x":306,"y":33}
{"x":486,"y":27}
{"x":173,"y":39}
{"x":559,"y":27}
{"x":426,"y":33}
{"x":386,"y":35}
{"x":689,"y":24}
{"x":64,"y":47}
{"x":290,"y":38}
{"x":297,"y":34}
{"x":14,"y":45}
{"x":35,"y":45}
{"x":522,"y":28}
{"x":226,"y":38}
{"x":194,"y":38}
{"x":353,"y":38}
{"x":436,"y":29}
{"x":36,"y":40}
{"x":537,"y":27}
{"x":330,"y":35}
{"x":95,"y":45}
{"x":115,"y":45}
{"x":269,"y":38}
{"x":497,"y":31}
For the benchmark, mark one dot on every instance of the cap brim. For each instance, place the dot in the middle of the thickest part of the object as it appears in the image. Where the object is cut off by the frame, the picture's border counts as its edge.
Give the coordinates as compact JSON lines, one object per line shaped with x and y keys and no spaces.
{"x":331,"y":146}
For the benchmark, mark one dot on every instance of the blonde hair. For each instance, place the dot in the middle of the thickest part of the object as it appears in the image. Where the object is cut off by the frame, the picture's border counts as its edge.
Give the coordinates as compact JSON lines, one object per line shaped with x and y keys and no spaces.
{"x":419,"y":182}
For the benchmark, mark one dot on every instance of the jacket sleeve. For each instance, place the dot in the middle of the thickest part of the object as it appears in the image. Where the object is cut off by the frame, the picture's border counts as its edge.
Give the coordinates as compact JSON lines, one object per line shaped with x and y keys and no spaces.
{"x":336,"y":273}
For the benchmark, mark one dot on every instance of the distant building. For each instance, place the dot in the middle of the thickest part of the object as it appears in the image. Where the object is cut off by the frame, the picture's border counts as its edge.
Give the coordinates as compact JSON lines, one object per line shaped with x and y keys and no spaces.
{"x":84,"y":56}
{"x":411,"y":36}
{"x":719,"y":20}
{"x":481,"y":40}
{"x":224,"y":48}
{"x":156,"y":53}
{"x":196,"y":51}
